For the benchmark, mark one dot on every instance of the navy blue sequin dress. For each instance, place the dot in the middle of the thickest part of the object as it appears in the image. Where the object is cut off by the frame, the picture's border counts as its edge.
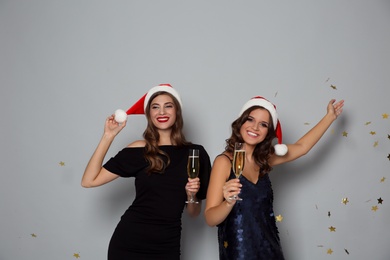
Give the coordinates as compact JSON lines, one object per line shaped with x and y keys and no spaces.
{"x":249,"y":231}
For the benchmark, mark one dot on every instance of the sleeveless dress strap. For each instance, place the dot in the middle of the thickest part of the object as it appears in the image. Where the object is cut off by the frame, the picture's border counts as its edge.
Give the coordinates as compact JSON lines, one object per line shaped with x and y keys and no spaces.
{"x":222,"y":154}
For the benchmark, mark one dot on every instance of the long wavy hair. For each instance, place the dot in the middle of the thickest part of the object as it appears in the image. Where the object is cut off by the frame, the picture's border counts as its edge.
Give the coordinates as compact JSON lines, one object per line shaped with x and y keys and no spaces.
{"x":158,"y":159}
{"x":263,"y":150}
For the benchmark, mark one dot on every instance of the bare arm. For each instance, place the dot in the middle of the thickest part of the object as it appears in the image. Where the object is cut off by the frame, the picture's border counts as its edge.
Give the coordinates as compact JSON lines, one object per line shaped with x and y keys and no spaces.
{"x":218,"y":205}
{"x":306,"y":142}
{"x":94,"y":174}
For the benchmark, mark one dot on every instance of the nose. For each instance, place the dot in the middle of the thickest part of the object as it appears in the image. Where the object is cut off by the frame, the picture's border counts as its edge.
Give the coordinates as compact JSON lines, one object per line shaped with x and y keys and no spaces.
{"x":255,"y":126}
{"x":162,"y":111}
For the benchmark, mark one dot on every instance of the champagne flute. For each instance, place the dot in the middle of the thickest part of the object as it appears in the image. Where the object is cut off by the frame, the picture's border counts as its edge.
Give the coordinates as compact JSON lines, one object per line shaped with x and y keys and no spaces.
{"x":238,"y":162}
{"x":193,"y":168}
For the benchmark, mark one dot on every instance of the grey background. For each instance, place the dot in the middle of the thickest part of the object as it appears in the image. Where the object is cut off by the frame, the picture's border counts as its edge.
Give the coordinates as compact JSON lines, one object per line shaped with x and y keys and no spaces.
{"x":66,"y":65}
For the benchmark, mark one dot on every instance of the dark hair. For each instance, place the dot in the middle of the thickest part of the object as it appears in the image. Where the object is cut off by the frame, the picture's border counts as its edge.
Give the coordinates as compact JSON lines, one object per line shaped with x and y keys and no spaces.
{"x":158,"y":159}
{"x":263,"y":150}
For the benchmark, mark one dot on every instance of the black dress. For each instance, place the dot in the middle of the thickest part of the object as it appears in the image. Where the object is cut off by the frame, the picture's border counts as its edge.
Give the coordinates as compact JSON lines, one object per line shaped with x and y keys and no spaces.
{"x":151,"y":227}
{"x":249,"y":232}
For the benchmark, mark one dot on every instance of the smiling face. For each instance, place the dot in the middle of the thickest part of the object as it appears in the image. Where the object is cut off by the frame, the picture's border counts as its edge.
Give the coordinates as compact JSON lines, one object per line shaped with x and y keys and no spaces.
{"x":255,"y":129}
{"x":162,"y":112}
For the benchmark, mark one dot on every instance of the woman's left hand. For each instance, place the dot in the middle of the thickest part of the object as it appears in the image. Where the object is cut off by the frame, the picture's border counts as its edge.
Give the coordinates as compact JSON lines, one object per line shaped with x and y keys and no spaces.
{"x":335,"y":108}
{"x":192,"y":186}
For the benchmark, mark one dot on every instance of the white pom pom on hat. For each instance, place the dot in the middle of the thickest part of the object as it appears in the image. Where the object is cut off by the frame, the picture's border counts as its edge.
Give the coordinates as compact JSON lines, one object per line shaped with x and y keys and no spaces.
{"x":280,"y":149}
{"x":139,"y":107}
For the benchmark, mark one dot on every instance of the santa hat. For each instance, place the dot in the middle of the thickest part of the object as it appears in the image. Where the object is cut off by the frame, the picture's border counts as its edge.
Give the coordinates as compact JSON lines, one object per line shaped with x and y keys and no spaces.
{"x":280,"y":149}
{"x":140,"y":106}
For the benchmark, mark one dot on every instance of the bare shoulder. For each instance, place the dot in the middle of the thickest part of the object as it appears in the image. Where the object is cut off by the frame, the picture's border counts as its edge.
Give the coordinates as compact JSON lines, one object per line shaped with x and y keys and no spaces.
{"x":138,"y":143}
{"x":221,"y":166}
{"x":223,"y":158}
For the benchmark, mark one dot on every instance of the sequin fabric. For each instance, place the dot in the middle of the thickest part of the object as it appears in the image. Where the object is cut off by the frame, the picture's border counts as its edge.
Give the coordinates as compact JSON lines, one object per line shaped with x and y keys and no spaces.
{"x":250,"y":231}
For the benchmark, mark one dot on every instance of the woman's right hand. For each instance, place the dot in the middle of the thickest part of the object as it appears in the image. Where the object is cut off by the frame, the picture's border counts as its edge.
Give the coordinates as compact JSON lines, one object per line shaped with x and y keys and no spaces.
{"x":112,"y":127}
{"x":231,"y":188}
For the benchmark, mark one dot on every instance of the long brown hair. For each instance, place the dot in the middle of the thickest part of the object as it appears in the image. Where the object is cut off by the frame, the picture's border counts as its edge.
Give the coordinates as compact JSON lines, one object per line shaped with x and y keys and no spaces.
{"x":263,"y":150}
{"x":153,"y":154}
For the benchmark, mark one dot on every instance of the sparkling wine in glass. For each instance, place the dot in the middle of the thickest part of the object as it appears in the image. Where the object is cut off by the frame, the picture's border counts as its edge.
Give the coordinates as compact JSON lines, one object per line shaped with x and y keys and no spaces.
{"x":238,"y":162}
{"x":193,"y":168}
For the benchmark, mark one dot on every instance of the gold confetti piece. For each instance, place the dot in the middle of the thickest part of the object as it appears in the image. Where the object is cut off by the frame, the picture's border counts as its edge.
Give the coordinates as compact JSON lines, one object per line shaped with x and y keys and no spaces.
{"x":61,"y":163}
{"x":372,"y":133}
{"x":345,"y":134}
{"x":33,"y":235}
{"x":76,"y":255}
{"x":332,"y":229}
{"x":376,"y":143}
{"x":306,"y":123}
{"x":374,"y":208}
{"x":345,"y":201}
{"x":346,"y":251}
{"x":225,"y":244}
{"x":380,"y":200}
{"x":334,"y":87}
{"x":383,"y":179}
{"x":279,"y":218}
{"x":368,"y":122}
{"x":385,"y":116}
{"x":330,"y":251}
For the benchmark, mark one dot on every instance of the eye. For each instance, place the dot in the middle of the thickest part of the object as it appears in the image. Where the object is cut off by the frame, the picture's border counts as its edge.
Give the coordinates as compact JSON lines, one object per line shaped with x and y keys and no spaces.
{"x":249,"y":119}
{"x":265,"y":125}
{"x":155,"y":107}
{"x":169,"y":106}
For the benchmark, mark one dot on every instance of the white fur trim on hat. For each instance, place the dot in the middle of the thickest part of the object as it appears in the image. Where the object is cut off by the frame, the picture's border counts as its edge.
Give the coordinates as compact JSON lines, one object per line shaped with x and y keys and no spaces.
{"x":162,"y":87}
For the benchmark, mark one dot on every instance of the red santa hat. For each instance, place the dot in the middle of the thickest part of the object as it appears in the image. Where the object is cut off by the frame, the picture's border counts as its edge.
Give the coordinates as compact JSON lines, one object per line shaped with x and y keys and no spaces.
{"x":280,"y":149}
{"x":140,"y":106}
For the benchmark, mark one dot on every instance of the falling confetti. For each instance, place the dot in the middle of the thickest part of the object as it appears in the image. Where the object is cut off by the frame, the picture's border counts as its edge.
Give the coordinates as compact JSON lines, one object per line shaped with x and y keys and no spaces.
{"x":332,"y":229}
{"x":376,"y":143}
{"x":306,"y":123}
{"x":385,"y":116}
{"x":225,"y":244}
{"x":279,"y":218}
{"x":383,"y":179}
{"x":76,"y":255}
{"x":372,"y":133}
{"x":62,"y":163}
{"x":368,"y":123}
{"x":276,"y":93}
{"x":33,"y":235}
{"x":334,"y":87}
{"x":345,"y":201}
{"x":346,"y":251}
{"x":327,"y":80}
{"x":328,"y":213}
{"x":374,"y":208}
{"x":330,"y":251}
{"x":380,"y":200}
{"x":388,"y":136}
{"x":345,"y":134}
{"x":388,"y":157}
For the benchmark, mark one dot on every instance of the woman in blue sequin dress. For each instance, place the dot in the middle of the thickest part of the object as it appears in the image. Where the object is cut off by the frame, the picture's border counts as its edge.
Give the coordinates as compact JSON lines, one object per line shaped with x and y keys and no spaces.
{"x":247,"y":228}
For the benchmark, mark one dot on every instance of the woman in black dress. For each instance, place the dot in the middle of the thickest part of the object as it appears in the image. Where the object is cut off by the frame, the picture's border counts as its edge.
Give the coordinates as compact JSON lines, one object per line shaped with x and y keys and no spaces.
{"x":151,"y":227}
{"x":247,"y":228}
